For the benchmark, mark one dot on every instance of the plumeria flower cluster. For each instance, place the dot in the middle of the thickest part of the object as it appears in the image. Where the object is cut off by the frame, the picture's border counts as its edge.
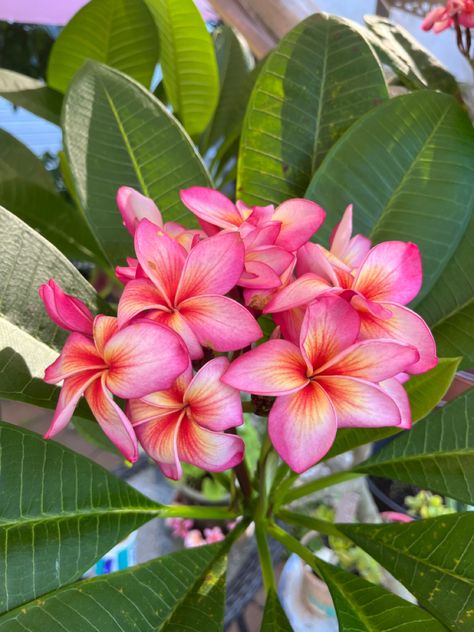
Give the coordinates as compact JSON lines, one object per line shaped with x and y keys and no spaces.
{"x":182,"y":346}
{"x":458,"y":14}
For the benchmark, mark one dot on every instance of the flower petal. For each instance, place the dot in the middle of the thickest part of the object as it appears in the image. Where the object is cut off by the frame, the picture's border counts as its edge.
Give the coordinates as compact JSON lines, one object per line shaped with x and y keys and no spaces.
{"x":399,"y":395}
{"x":342,"y":233}
{"x":302,"y":426}
{"x":211,"y":451}
{"x":178,"y":323}
{"x":211,"y":206}
{"x":316,"y":259}
{"x":161,"y":258}
{"x":159,"y":440}
{"x":391,"y":271}
{"x":275,"y":257}
{"x":112,"y":419}
{"x":104,"y":328}
{"x":259,"y":275}
{"x":290,"y":323}
{"x":359,"y":403}
{"x":213,"y":266}
{"x":144,"y":357}
{"x":134,"y":207}
{"x":329,"y":326}
{"x":138,"y":296}
{"x":171,"y":398}
{"x":300,"y":292}
{"x":373,"y":360}
{"x":71,"y":392}
{"x":300,"y":219}
{"x":127,"y":273}
{"x":212,"y":403}
{"x":220,"y":323}
{"x":274,"y":368}
{"x":79,"y":354}
{"x":407,"y":327}
{"x":65,"y":310}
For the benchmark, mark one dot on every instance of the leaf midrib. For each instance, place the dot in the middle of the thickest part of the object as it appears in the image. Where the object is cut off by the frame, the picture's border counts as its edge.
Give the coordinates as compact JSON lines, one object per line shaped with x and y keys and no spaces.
{"x":418,"y":457}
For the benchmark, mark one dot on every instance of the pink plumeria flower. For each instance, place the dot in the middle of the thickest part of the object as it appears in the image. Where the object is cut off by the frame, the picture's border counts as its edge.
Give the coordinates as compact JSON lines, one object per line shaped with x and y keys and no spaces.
{"x":186,"y":291}
{"x":187,"y":422}
{"x":350,"y":250}
{"x":127,"y":273}
{"x":132,"y":362}
{"x":180,"y":527}
{"x":395,"y":516}
{"x":441,"y":18}
{"x":193,"y":539}
{"x":213,"y":535}
{"x":68,"y":312}
{"x":329,"y":381}
{"x":389,"y":277}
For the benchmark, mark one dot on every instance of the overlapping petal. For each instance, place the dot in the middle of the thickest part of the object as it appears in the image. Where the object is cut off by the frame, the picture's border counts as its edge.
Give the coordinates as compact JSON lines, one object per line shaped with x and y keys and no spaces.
{"x":211,"y":206}
{"x":104,"y":328}
{"x":300,"y":292}
{"x":65,"y":310}
{"x":138,"y":296}
{"x":180,"y":325}
{"x":395,"y":390}
{"x":302,"y":426}
{"x":300,"y":219}
{"x":159,"y":439}
{"x":79,"y":354}
{"x":134,"y":207}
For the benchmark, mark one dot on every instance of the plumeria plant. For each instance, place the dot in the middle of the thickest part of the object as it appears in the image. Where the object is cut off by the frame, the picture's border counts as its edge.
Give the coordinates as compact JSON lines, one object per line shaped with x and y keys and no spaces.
{"x":283,"y":244}
{"x":458,"y":14}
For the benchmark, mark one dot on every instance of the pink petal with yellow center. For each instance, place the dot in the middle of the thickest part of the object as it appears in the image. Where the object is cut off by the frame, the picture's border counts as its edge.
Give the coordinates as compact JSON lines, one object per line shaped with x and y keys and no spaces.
{"x":159,"y":440}
{"x":316,"y":259}
{"x":407,"y":327}
{"x":65,"y":310}
{"x":274,"y":368}
{"x":362,"y":305}
{"x":391,"y":272}
{"x":104,"y":328}
{"x":212,"y":267}
{"x":112,"y":419}
{"x":399,"y":395}
{"x":144,"y":357}
{"x":300,"y":219}
{"x":298,"y":293}
{"x":71,"y":392}
{"x":79,"y":354}
{"x":373,"y":360}
{"x":220,"y":323}
{"x":138,"y":296}
{"x":329,"y":326}
{"x":178,"y":323}
{"x":213,"y":404}
{"x":161,"y":258}
{"x":211,"y":451}
{"x":302,"y":426}
{"x":171,"y":398}
{"x":359,"y":403}
{"x":211,"y":206}
{"x":134,"y":207}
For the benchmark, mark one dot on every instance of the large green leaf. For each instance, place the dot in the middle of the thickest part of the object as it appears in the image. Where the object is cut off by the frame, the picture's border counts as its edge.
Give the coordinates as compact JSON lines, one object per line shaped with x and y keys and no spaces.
{"x":16,"y":161}
{"x":449,"y":307}
{"x":31,"y":94}
{"x":364,"y":607}
{"x":117,"y":133}
{"x":408,"y":168}
{"x":437,"y":454}
{"x":434,"y":73}
{"x":188,"y":62}
{"x":432,"y":558}
{"x":119,"y":33}
{"x":182,"y":591}
{"x":424,"y":392}
{"x":59,"y":512}
{"x":321,"y":78}
{"x":274,"y":617}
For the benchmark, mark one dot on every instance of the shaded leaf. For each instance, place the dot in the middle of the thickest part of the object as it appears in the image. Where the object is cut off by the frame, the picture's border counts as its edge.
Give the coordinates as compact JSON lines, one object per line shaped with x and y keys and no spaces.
{"x":119,"y":33}
{"x":320,"y":78}
{"x":117,"y":133}
{"x":31,"y":94}
{"x":407,"y":167}
{"x":274,"y":617}
{"x":437,"y":454}
{"x":59,"y":513}
{"x":188,"y":62}
{"x":182,"y":591}
{"x":16,"y":160}
{"x":432,"y":558}
{"x":424,"y":392}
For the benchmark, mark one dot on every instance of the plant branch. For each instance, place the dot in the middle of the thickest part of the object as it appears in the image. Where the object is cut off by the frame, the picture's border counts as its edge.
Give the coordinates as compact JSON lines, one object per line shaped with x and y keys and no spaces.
{"x":317,"y":485}
{"x":293,"y":545}
{"x":242,"y":473}
{"x":266,"y":562}
{"x":314,"y":524}
{"x":196,"y":512}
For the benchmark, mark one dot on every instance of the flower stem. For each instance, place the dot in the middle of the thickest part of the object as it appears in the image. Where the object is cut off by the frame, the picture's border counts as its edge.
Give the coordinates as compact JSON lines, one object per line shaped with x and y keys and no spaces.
{"x":242,"y":473}
{"x":196,"y":512}
{"x":317,"y":485}
{"x":266,"y":562}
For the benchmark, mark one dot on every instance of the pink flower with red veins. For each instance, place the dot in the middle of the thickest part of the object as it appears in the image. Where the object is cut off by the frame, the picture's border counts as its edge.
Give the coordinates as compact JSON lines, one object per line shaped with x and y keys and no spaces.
{"x":186,"y":291}
{"x":328,"y":381}
{"x":132,"y":362}
{"x":441,"y":18}
{"x":270,"y":235}
{"x":68,"y":312}
{"x":187,"y":422}
{"x":388,"y":277}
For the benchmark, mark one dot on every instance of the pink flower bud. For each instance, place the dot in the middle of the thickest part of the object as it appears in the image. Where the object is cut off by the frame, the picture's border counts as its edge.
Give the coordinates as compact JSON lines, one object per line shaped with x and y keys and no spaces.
{"x":66,"y":311}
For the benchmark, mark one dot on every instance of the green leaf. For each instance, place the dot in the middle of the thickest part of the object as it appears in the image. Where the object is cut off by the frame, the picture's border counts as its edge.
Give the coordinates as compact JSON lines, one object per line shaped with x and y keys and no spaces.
{"x":436,"y":75}
{"x":364,"y":607}
{"x":188,"y":62}
{"x":321,"y":78}
{"x":437,"y":454}
{"x":449,"y":307}
{"x":182,"y":591}
{"x":59,"y":513}
{"x":274,"y":617}
{"x":424,"y":392}
{"x":407,"y":167}
{"x":117,"y":133}
{"x":16,"y":160}
{"x":119,"y":33}
{"x":432,"y":558}
{"x":235,"y":63}
{"x":31,"y":94}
